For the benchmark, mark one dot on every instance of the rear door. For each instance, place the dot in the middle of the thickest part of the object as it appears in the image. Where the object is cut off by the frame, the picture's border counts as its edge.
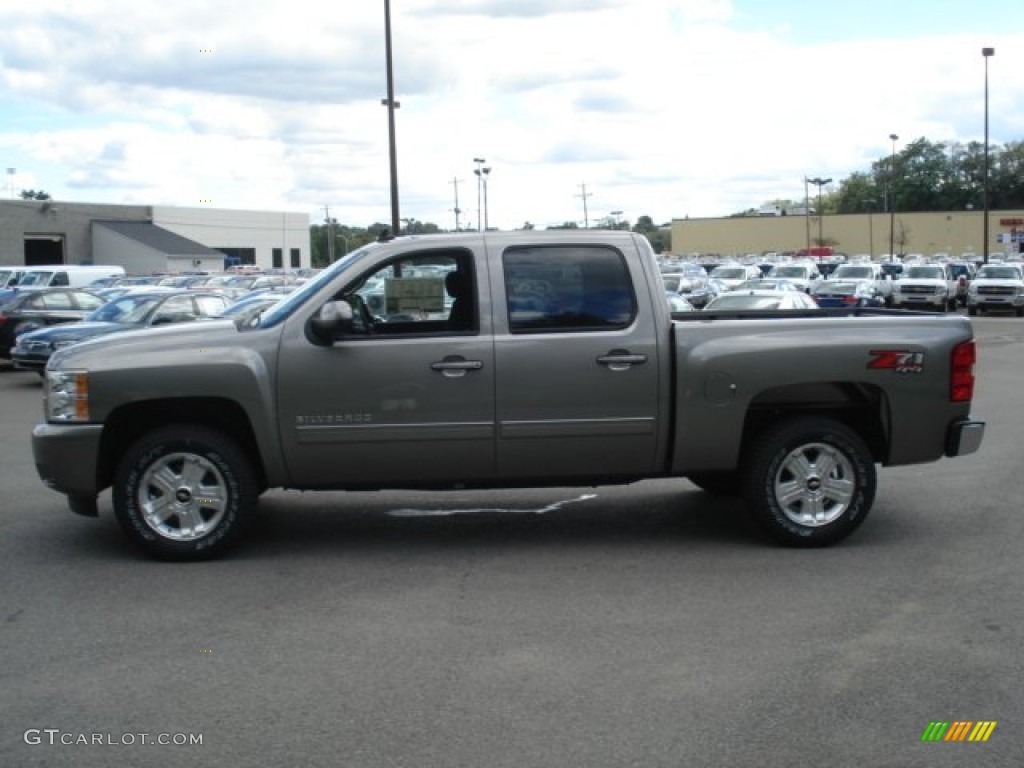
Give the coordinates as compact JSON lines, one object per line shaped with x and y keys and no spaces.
{"x":577,"y":361}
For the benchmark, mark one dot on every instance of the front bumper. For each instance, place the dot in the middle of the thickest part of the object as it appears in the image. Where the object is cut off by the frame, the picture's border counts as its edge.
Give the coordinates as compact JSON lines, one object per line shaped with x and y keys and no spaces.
{"x":67,"y":456}
{"x":919,"y":300}
{"x":964,"y":437}
{"x":26,"y":361}
{"x":995,"y":301}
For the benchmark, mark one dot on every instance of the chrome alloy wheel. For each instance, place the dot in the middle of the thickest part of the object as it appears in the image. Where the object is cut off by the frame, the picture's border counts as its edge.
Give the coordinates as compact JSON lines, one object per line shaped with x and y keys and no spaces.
{"x":814,"y":484}
{"x":182,"y":496}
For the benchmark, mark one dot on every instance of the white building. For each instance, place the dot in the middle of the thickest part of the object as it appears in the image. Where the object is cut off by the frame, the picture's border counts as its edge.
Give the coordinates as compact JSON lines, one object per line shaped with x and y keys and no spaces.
{"x":146,"y":239}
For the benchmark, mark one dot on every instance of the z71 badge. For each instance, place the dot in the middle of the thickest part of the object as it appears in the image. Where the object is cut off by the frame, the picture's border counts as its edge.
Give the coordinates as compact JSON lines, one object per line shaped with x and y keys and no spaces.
{"x":897,"y":360}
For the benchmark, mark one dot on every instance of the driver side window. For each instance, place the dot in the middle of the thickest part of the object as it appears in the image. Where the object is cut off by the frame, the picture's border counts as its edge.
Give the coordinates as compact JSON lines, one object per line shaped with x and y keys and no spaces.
{"x":427,"y":292}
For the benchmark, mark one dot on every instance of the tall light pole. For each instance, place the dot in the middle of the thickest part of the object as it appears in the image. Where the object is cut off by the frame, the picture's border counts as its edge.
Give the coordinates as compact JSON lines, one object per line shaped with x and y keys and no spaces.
{"x":456,"y":209}
{"x":871,"y":227}
{"x":807,"y":216}
{"x":986,"y":54}
{"x":10,"y":179}
{"x":392,"y":105}
{"x":486,"y":174}
{"x":892,"y":199}
{"x":479,"y":171}
{"x":820,"y":182}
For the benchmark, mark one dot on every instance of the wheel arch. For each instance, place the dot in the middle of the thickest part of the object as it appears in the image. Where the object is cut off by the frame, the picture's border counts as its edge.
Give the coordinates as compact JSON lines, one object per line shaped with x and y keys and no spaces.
{"x":864,"y":408}
{"x":130,"y":422}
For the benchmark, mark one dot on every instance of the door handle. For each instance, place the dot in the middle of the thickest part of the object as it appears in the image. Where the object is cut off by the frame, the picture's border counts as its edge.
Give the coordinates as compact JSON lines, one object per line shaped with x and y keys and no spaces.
{"x":454,"y":367}
{"x":621,"y":360}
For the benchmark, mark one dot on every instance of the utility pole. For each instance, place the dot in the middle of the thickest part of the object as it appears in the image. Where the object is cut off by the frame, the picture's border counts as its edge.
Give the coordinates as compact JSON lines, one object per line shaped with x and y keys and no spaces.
{"x":456,"y":209}
{"x":392,"y":105}
{"x":330,"y":235}
{"x":584,"y":194}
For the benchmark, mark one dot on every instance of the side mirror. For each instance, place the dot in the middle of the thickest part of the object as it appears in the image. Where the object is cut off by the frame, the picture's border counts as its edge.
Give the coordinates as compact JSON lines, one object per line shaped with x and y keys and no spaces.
{"x":332,"y":319}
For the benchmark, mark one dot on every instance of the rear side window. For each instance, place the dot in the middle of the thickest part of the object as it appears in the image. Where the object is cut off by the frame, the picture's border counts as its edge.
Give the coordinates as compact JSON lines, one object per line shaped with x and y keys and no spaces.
{"x":567,"y":288}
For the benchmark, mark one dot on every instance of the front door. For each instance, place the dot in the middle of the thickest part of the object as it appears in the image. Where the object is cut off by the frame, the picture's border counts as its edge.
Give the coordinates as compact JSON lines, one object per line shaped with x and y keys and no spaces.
{"x":406,"y":397}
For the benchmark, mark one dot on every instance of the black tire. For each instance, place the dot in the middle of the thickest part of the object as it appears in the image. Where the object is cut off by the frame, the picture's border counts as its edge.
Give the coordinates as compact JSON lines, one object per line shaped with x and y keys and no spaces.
{"x":972,"y":311}
{"x":1019,"y":311}
{"x":829,"y":475}
{"x":198,"y":503}
{"x":718,"y":483}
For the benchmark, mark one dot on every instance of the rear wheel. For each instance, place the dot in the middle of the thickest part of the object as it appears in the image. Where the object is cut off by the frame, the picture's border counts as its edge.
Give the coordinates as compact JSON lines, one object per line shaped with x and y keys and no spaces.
{"x":183,"y":492}
{"x":972,"y":311}
{"x":809,"y":482}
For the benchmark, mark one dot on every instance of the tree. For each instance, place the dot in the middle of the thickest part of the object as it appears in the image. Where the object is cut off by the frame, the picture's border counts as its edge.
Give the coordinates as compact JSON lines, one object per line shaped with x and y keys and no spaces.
{"x":35,"y":194}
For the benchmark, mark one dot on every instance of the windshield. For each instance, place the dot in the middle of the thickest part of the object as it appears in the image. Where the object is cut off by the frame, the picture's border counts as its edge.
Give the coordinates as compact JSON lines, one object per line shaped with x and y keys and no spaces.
{"x":789,"y":272}
{"x":729,"y":273}
{"x":865,"y":272}
{"x":292,"y":300}
{"x":127,"y":309}
{"x":930,"y":273}
{"x":998,"y":273}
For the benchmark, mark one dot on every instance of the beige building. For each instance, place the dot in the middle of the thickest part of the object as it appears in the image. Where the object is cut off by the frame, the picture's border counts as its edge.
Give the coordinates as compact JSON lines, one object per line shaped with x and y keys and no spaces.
{"x":954,"y":232}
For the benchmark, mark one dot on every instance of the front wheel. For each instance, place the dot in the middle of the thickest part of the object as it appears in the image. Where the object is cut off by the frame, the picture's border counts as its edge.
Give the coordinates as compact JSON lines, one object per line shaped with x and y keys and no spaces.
{"x":809,"y":482}
{"x":183,"y":492}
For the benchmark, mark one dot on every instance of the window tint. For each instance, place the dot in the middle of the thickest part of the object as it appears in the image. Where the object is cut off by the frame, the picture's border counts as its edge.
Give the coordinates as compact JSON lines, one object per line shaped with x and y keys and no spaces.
{"x":583,"y":288}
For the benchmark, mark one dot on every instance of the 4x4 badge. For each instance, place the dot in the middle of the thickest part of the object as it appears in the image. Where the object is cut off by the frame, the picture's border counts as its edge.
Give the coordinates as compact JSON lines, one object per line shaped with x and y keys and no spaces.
{"x":897,"y":360}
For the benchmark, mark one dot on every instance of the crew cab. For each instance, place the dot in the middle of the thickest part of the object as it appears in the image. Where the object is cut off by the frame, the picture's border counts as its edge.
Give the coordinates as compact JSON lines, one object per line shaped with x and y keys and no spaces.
{"x":501,"y":359}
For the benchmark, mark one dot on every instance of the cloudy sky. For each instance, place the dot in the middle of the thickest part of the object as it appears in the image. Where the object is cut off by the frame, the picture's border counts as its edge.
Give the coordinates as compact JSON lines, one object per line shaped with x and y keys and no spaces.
{"x":665,"y":108}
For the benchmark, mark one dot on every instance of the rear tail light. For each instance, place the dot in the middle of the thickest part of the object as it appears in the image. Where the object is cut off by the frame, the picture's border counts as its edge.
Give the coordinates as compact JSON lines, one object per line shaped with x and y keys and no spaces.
{"x":849,"y":299}
{"x":961,"y":374}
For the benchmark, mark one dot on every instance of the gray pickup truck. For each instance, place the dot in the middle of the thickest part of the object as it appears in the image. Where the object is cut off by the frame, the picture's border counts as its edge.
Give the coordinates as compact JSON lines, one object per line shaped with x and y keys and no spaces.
{"x":500,"y":360}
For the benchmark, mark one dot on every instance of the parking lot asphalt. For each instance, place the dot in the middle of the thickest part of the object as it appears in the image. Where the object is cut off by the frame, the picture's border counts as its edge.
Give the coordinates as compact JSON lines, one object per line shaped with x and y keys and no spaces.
{"x":614,"y":626}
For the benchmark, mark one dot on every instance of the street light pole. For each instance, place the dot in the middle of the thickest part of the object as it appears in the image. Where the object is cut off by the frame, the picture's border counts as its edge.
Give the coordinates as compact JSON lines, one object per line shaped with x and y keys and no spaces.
{"x":986,"y":54}
{"x":455,"y":183}
{"x":892,"y":199}
{"x":820,"y":182}
{"x":392,"y":105}
{"x":479,"y":171}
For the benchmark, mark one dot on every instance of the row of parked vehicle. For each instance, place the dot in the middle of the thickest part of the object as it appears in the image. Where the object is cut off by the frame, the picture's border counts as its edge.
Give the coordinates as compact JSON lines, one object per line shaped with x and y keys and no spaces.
{"x":940,"y":286}
{"x":35,"y":322}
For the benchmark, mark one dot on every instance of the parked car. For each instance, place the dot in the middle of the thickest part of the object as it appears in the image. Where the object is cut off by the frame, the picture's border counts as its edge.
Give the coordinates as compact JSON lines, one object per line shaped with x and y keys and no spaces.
{"x":802,"y":275}
{"x":131,"y":312}
{"x":928,"y":286}
{"x":997,"y":286}
{"x":847,"y":293}
{"x":55,"y":276}
{"x":679,"y":304}
{"x":701,"y":293}
{"x":734,"y":274}
{"x":767,"y":284}
{"x":761,"y":300}
{"x":36,"y":309}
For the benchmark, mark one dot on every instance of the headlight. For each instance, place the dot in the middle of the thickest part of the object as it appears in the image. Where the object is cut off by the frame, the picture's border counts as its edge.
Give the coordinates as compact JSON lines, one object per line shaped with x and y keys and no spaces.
{"x":60,"y":343}
{"x":67,"y":396}
{"x":972,"y":290}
